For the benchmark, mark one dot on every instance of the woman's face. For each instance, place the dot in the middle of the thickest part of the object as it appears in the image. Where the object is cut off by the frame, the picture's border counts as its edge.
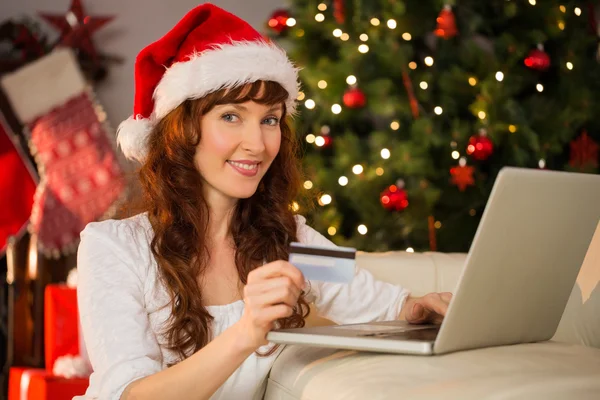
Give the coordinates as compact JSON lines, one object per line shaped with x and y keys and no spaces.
{"x":238,"y":144}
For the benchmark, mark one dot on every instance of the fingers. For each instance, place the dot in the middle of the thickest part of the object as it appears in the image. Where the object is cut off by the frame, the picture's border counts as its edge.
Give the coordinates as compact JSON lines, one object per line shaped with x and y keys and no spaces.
{"x":417,"y":313}
{"x":271,"y":284}
{"x":272,"y":291}
{"x":286,"y":295}
{"x":435,"y":303}
{"x":277,"y":269}
{"x":265,"y":317}
{"x":429,"y":308}
{"x":439,"y":305}
{"x":274,"y":313}
{"x":446,"y":296}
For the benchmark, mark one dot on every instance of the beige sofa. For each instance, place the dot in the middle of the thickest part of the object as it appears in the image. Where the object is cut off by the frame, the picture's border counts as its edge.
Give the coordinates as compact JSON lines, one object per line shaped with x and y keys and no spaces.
{"x":568,"y":367}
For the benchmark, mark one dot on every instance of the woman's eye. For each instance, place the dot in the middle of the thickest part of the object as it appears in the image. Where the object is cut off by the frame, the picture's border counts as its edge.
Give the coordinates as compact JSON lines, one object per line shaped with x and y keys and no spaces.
{"x":272,"y":121}
{"x":229,"y":117}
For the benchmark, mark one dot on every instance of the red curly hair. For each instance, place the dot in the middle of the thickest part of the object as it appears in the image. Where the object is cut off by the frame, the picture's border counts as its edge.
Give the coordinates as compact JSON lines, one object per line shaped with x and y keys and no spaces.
{"x":171,"y":188}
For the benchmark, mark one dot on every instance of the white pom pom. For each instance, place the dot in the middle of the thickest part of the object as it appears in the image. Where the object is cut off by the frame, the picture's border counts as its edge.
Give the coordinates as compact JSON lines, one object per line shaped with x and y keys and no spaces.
{"x":132,"y":137}
{"x":72,"y":278}
{"x":71,"y":366}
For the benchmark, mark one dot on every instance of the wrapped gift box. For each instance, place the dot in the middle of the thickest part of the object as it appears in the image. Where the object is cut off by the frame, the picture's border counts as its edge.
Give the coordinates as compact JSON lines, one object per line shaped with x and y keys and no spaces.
{"x":37,"y":384}
{"x":61,"y":323}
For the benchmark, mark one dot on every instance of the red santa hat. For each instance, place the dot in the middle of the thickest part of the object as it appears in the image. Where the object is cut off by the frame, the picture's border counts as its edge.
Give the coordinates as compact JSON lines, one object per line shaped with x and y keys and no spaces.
{"x":208,"y":50}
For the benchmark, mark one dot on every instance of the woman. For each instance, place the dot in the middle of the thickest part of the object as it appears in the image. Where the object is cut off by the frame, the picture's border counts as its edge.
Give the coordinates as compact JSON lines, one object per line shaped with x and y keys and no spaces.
{"x":176,"y":302}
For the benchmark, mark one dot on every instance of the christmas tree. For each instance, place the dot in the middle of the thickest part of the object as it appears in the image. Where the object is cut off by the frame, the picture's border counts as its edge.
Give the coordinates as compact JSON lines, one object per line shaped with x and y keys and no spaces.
{"x":409,"y":109}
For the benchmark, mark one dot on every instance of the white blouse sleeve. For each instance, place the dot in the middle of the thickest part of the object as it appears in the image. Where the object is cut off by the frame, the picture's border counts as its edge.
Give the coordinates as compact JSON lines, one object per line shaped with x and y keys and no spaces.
{"x":110,"y":294}
{"x":365,"y":299}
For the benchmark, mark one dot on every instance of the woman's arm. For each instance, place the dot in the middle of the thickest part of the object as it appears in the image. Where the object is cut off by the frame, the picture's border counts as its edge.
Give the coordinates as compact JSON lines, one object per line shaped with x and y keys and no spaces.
{"x":116,"y":329}
{"x":366,"y":299}
{"x":198,"y":376}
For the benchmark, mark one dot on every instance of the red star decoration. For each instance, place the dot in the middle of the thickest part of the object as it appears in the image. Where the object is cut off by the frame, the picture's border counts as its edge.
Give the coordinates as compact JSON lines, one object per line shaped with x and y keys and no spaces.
{"x":584,"y":152}
{"x":76,"y":28}
{"x":462,"y":176}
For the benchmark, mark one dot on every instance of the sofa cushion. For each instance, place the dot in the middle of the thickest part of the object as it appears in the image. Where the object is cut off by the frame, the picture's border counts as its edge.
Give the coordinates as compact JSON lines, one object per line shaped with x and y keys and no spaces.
{"x":422,"y":273}
{"x":547,"y":370}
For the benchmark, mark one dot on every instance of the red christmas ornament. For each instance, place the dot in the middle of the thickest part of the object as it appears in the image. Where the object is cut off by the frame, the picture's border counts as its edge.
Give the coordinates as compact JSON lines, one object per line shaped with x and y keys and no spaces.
{"x":584,"y":152}
{"x":76,"y":28}
{"x":462,"y":175}
{"x":480,"y":147}
{"x":446,"y":23}
{"x":538,"y":59}
{"x":278,"y":20}
{"x":354,"y":98}
{"x":394,"y":198}
{"x":339,"y":11}
{"x":326,"y":141}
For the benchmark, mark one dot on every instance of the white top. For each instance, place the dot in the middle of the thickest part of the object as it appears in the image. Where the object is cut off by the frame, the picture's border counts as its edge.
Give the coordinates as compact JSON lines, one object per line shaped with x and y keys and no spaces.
{"x":121,"y":307}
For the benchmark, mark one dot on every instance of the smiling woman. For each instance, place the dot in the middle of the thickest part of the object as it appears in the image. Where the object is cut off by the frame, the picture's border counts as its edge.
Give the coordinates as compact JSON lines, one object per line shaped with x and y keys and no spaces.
{"x":176,"y":301}
{"x":193,"y":153}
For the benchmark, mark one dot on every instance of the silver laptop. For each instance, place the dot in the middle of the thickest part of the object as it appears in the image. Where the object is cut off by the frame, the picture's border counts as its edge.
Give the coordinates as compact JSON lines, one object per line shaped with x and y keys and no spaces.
{"x":519,"y":273}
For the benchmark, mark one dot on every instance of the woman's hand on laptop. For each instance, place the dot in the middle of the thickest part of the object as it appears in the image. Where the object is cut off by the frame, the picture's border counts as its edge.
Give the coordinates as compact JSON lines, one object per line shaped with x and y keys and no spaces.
{"x":428,"y":309}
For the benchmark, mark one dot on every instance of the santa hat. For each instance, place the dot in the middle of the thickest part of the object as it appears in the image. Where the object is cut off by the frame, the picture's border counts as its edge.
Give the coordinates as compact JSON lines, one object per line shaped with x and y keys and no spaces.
{"x":208,"y":50}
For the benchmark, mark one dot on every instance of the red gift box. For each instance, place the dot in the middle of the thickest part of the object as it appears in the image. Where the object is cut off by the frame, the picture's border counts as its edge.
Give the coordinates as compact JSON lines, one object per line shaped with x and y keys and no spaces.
{"x":37,"y":384}
{"x":61,"y":323}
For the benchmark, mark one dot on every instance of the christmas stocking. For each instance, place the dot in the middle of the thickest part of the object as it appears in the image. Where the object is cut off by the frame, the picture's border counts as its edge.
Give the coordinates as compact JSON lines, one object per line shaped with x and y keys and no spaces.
{"x":17,"y":185}
{"x":81,"y":179}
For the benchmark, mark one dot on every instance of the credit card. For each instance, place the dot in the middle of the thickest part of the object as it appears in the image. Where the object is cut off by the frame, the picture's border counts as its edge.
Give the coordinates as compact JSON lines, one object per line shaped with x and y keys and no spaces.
{"x":326,"y":264}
